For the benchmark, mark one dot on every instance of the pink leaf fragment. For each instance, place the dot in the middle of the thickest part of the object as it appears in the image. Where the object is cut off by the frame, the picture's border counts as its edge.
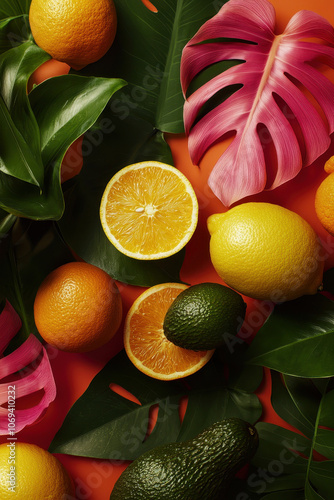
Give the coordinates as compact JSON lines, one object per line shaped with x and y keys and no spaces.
{"x":36,"y":374}
{"x":278,"y":83}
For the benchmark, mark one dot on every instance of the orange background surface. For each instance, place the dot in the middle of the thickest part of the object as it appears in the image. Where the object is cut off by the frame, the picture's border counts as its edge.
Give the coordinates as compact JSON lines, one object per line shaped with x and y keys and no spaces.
{"x":93,"y":478}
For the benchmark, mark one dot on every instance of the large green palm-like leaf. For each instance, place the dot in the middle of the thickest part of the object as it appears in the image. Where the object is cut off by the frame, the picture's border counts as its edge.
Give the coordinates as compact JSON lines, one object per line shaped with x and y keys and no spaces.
{"x":287,"y":456}
{"x":147,"y":54}
{"x":119,"y":429}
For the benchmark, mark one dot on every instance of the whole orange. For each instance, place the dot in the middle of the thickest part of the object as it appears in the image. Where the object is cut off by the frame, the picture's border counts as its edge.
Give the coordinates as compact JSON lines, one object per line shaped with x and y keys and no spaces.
{"x":324,"y":198}
{"x":77,"y":32}
{"x":78,"y":307}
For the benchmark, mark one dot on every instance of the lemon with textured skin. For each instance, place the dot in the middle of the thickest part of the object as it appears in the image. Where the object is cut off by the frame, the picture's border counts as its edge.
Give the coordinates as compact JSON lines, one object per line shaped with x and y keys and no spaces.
{"x":28,"y":472}
{"x":266,"y":252}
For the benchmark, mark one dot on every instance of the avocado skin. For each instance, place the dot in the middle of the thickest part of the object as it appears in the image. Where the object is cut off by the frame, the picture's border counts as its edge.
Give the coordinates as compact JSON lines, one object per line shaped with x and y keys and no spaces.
{"x":198,"y":469}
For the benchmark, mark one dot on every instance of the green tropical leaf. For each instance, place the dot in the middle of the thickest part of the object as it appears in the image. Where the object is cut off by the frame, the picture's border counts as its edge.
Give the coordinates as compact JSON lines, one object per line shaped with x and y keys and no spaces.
{"x":112,"y":144}
{"x":12,"y":8}
{"x":119,"y":429}
{"x":65,"y":107}
{"x":147,"y":53}
{"x":20,"y":153}
{"x":287,"y":456}
{"x":297,"y":338}
{"x":13,"y":32}
{"x":297,"y":401}
{"x":322,"y":477}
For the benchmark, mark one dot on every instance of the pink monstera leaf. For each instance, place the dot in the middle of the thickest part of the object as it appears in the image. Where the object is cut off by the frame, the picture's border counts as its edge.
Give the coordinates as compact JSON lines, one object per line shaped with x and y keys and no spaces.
{"x":276,"y":78}
{"x":32,"y":360}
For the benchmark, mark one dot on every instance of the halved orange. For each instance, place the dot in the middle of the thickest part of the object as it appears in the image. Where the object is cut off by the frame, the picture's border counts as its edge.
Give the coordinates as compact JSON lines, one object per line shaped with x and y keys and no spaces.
{"x":145,"y":342}
{"x":149,"y":210}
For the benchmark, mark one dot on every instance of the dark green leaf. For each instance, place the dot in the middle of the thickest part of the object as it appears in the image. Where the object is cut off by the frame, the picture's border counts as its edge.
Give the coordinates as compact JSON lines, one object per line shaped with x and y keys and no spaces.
{"x":147,"y":54}
{"x":297,"y":401}
{"x":12,"y":8}
{"x":271,"y":480}
{"x":13,"y":32}
{"x":221,"y":399}
{"x":311,"y":494}
{"x":297,"y":339}
{"x":65,"y":108}
{"x":327,"y":414}
{"x":16,"y":157}
{"x":324,"y":443}
{"x":118,"y":430}
{"x":107,"y":148}
{"x":281,"y":446}
{"x":20,"y":153}
{"x":288,"y":495}
{"x":322,"y":477}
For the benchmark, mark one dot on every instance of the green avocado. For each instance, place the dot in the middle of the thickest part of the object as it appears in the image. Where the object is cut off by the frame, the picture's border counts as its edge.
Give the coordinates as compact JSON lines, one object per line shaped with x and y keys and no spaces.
{"x":201,"y":468}
{"x":203,"y":316}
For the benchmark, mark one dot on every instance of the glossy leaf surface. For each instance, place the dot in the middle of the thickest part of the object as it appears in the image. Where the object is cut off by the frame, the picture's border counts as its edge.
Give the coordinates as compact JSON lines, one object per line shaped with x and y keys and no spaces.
{"x":287,"y":455}
{"x":147,"y":54}
{"x":297,"y":338}
{"x":126,"y":422}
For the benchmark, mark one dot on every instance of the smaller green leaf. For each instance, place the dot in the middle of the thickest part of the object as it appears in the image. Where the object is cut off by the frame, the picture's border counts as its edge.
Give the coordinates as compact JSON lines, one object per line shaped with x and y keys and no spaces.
{"x":65,"y":107}
{"x":118,"y":430}
{"x":327,"y":414}
{"x":16,"y":157}
{"x":277,"y":444}
{"x":288,"y":495}
{"x":297,"y":338}
{"x":12,"y":8}
{"x":322,"y":477}
{"x":311,"y":494}
{"x":220,"y":397}
{"x":324,"y":443}
{"x":296,"y":400}
{"x":13,"y":32}
{"x":272,"y":481}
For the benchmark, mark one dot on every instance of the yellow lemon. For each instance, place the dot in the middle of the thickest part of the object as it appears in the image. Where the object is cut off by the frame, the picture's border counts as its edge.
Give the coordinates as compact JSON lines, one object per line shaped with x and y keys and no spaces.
{"x":266,"y":252}
{"x":28,"y":472}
